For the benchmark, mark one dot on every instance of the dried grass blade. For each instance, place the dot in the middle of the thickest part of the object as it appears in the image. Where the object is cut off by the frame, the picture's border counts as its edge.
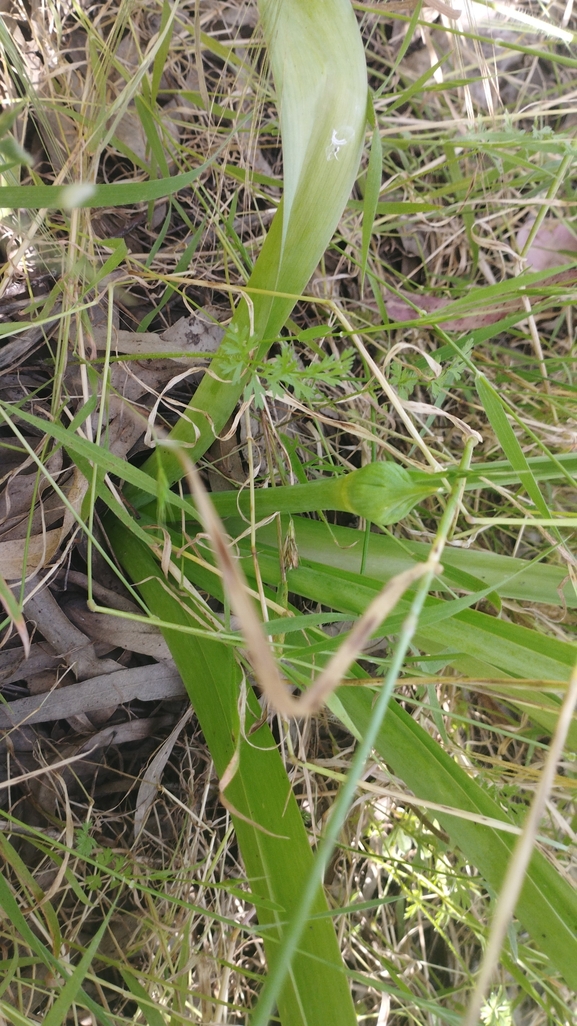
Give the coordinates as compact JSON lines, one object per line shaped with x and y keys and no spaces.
{"x":15,"y":614}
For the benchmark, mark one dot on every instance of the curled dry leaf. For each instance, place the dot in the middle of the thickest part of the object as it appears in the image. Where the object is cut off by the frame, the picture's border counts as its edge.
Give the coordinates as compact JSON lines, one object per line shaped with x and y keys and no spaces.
{"x":554,"y":244}
{"x":191,"y":336}
{"x":131,"y":635}
{"x":40,"y":660}
{"x":31,"y":555}
{"x":149,"y":378}
{"x":427,"y":410}
{"x":14,"y":352}
{"x":401,"y":346}
{"x":148,"y":789}
{"x":68,"y":642}
{"x":156,"y":682}
{"x":20,"y":488}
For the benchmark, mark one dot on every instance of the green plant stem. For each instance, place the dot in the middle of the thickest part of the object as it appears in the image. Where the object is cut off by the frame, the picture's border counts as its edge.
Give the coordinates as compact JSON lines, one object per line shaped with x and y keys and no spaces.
{"x":294,"y":932}
{"x":328,"y":492}
{"x":324,"y":493}
{"x":340,"y":493}
{"x":217,"y":395}
{"x":380,"y":492}
{"x":500,"y":472}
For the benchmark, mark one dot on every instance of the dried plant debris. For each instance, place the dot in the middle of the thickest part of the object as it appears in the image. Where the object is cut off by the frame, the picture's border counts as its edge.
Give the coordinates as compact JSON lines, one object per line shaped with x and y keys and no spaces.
{"x":75,"y":687}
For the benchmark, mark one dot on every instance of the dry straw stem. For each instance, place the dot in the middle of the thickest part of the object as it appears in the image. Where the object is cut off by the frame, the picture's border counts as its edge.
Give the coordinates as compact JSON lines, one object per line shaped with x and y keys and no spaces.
{"x":517,"y":868}
{"x":30,"y":554}
{"x":408,"y":6}
{"x":401,"y":407}
{"x":31,"y":774}
{"x":382,"y":791}
{"x":260,"y":656}
{"x":367,"y":742}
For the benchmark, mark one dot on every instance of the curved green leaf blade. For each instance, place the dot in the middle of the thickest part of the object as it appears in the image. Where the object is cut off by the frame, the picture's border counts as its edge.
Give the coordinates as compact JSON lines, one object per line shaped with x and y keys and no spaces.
{"x":269,"y":826}
{"x":318,"y":61}
{"x":547,"y":907}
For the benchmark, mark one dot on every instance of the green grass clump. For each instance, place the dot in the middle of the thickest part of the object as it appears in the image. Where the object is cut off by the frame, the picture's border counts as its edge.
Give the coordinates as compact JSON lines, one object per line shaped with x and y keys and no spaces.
{"x":387,"y":430}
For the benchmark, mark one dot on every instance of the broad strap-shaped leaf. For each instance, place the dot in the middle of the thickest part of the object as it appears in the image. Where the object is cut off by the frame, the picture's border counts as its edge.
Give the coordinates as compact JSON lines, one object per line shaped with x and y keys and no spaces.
{"x":318,"y":62}
{"x":547,"y":907}
{"x":273,"y":841}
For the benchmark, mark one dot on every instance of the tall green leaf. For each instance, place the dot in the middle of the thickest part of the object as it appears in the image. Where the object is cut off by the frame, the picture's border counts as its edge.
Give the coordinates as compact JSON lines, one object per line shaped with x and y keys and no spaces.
{"x":269,"y":826}
{"x":547,"y":906}
{"x":318,"y":63}
{"x":495,"y":410}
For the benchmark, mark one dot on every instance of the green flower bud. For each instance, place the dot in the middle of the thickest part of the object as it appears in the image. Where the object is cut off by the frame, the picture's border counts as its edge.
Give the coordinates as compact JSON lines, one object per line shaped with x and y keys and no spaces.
{"x":385,"y":492}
